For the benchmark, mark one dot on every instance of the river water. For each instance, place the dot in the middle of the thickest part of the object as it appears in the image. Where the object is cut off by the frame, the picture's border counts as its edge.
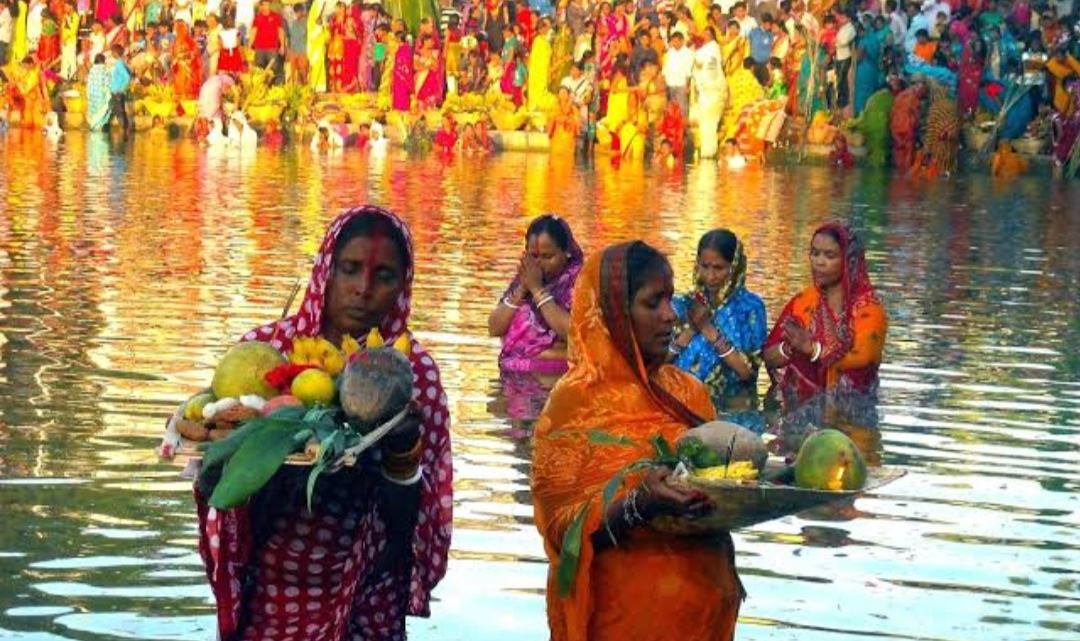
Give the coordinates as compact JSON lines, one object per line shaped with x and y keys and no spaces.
{"x":126,"y":270}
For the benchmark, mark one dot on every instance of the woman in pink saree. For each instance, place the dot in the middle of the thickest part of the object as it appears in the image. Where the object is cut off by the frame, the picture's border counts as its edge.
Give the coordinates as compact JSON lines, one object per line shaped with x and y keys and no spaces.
{"x":401,"y":89}
{"x":429,"y":79}
{"x":533,"y":316}
{"x":616,"y":31}
{"x":970,"y":77}
{"x":373,"y":544}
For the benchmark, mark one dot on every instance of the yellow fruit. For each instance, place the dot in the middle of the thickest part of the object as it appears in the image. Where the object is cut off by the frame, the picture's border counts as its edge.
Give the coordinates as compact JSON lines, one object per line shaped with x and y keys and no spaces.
{"x":829,"y":460}
{"x":314,"y":387}
{"x":242,"y":371}
{"x":194,"y":407}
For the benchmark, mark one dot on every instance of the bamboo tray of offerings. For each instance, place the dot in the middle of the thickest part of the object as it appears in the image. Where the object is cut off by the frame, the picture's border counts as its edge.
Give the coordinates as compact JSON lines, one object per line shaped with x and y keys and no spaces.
{"x":742,"y":503}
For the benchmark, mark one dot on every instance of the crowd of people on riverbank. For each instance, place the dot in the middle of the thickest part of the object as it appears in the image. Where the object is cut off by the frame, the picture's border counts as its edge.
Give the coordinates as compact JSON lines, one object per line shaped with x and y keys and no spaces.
{"x":626,"y":77}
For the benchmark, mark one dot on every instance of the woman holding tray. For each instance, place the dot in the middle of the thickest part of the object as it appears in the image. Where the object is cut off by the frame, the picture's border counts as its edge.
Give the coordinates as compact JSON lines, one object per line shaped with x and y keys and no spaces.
{"x":830,"y":337}
{"x":611,"y":575}
{"x":375,"y":543}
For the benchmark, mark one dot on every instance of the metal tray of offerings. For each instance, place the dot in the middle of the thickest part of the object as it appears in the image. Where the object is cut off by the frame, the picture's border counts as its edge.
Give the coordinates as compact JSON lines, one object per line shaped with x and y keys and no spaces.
{"x":743,"y":502}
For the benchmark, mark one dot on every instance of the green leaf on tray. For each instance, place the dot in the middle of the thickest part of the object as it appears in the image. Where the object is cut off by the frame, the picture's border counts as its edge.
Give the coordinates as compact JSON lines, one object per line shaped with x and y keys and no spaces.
{"x":255,"y":461}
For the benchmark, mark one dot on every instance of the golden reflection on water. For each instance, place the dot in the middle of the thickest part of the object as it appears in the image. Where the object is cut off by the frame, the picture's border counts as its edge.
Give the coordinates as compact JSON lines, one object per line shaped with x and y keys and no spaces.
{"x":125,"y":273}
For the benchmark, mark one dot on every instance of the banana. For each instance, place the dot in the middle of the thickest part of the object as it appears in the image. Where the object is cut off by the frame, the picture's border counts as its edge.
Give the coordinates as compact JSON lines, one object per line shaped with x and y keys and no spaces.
{"x":374,"y":339}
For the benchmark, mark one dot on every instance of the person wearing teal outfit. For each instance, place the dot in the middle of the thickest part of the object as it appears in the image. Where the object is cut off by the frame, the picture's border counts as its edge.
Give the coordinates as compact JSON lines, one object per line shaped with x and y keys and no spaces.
{"x":722,"y":327}
{"x":811,"y":96}
{"x":867,"y":73}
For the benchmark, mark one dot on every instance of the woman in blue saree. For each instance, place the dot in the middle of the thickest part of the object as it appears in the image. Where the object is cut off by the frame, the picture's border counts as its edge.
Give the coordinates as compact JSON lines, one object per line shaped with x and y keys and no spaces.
{"x":867,"y":73}
{"x":98,"y":95}
{"x":721,"y":325}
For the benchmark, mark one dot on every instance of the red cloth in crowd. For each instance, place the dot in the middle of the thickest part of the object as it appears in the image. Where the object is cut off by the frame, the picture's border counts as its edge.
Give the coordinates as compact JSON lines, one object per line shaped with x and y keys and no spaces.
{"x":266,"y":34}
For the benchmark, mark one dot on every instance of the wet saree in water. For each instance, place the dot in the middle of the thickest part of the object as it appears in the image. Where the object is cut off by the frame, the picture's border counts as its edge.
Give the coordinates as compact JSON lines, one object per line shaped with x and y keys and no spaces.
{"x":277,"y":569}
{"x":529,"y":336}
{"x":852,"y":341}
{"x":97,"y":97}
{"x":692,"y":592}
{"x":873,"y":124}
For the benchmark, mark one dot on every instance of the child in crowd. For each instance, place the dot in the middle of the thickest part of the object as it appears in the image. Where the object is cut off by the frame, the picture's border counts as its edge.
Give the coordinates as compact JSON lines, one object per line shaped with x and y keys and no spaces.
{"x":665,"y":155}
{"x":447,"y":136}
{"x":925,"y":48}
{"x":777,"y":84}
{"x":733,"y":158}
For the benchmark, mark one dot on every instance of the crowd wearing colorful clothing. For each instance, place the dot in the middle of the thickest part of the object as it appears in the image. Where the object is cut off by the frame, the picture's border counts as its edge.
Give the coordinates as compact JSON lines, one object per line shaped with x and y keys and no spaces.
{"x":599,"y":76}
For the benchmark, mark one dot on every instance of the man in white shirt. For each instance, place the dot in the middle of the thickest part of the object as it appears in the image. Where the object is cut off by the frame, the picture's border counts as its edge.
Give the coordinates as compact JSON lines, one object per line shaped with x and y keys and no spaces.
{"x":746,"y":22}
{"x":845,"y":39}
{"x":245,"y":17}
{"x":897,"y":21}
{"x":678,"y":65}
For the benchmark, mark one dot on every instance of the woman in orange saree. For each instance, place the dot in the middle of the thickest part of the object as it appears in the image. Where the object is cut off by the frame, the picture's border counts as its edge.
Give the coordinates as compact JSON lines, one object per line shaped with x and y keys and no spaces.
{"x":619,"y":384}
{"x":187,"y":63}
{"x":830,"y":337}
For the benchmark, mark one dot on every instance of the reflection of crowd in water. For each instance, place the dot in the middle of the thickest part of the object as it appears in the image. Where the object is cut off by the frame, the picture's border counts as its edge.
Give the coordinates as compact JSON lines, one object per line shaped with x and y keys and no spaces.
{"x":673,"y":77}
{"x":826,"y":344}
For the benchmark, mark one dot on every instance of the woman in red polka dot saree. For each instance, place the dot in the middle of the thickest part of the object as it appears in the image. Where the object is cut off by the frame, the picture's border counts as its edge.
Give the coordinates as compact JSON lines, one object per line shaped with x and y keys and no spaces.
{"x":373,"y":545}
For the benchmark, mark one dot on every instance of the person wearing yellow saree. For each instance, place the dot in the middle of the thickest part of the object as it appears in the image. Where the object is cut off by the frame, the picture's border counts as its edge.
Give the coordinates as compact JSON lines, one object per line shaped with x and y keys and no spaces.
{"x":29,"y":93}
{"x":634,"y":130}
{"x":618,"y":106}
{"x":745,"y":89}
{"x":630,"y":582}
{"x":317,"y":38}
{"x":564,"y":125}
{"x":539,"y":97}
{"x":1062,"y":67}
{"x":19,"y":47}
{"x":734,"y":49}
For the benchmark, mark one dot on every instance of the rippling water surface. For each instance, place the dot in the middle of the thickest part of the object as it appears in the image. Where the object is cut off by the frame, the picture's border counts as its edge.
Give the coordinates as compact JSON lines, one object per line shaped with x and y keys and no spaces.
{"x":124,"y":273}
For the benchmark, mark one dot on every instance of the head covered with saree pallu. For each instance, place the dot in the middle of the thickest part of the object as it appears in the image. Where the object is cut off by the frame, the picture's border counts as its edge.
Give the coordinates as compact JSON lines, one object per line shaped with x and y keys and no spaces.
{"x":267,"y":579}
{"x":529,"y":335}
{"x":691,"y":591}
{"x":852,"y":342}
{"x":735,"y":311}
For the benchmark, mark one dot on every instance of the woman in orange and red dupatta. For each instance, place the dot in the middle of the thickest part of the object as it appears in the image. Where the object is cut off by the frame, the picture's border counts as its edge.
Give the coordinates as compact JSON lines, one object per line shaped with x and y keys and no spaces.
{"x":629,"y":581}
{"x":187,"y":63}
{"x":375,"y":543}
{"x":830,"y":337}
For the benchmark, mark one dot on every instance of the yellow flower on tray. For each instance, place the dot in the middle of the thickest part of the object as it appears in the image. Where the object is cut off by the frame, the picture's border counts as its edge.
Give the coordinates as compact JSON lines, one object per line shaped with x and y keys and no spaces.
{"x":739,"y":470}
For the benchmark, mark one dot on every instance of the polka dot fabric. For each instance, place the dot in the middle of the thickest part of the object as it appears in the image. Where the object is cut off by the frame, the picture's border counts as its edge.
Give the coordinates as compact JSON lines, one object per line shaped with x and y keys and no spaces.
{"x":312,"y":578}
